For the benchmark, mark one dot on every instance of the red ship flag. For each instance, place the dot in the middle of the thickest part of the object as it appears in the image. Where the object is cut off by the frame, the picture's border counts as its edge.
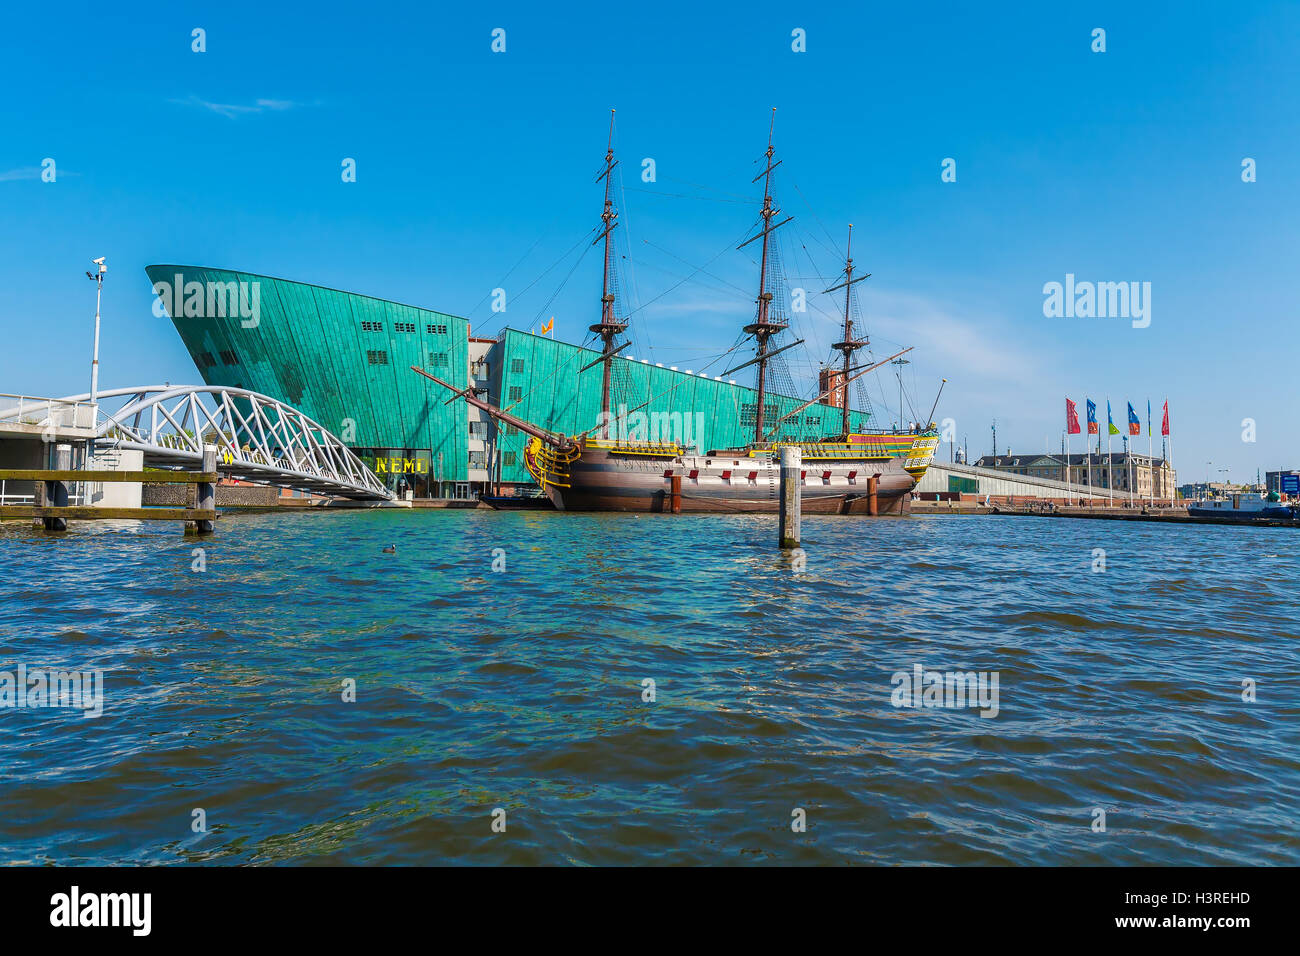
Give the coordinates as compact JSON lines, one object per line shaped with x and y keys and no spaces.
{"x":1164,"y":422}
{"x":1071,"y":418}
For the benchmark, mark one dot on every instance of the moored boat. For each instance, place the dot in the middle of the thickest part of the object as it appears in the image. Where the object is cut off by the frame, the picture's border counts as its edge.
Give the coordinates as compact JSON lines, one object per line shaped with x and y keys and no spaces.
{"x":858,"y":471}
{"x":1242,"y":506}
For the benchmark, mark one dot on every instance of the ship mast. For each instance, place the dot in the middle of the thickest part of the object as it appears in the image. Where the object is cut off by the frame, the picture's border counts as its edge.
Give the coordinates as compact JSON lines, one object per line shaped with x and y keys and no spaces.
{"x":848,"y":345}
{"x":608,"y":327}
{"x":763,"y":327}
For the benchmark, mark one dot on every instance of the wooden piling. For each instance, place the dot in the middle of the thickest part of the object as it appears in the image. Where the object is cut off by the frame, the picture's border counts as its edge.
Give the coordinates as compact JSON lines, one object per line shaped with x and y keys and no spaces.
{"x":675,"y":483}
{"x":873,"y":499}
{"x":791,"y":504}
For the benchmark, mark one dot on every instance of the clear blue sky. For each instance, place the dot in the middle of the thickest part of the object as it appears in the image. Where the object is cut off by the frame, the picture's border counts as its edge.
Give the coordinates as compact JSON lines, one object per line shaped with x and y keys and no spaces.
{"x":1115,"y":166}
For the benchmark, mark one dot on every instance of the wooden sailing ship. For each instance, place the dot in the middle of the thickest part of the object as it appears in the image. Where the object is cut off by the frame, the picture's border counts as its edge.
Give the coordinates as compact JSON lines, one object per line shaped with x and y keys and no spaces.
{"x":862,"y":471}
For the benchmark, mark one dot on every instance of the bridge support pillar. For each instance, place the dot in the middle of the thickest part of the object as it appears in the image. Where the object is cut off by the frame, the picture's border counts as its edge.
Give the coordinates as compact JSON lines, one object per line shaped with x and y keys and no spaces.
{"x":205,"y":497}
{"x":56,"y":492}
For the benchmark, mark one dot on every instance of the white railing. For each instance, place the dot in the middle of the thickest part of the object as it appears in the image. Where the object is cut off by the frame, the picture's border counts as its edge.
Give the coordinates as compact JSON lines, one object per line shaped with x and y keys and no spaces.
{"x":32,"y":410}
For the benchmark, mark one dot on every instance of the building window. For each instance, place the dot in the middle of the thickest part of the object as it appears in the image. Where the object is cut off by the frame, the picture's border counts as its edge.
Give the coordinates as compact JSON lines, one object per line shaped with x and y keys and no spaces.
{"x":748,"y":412}
{"x":377,"y":357}
{"x":372,"y":327}
{"x":404,"y":326}
{"x":433,"y":329}
{"x":478,"y":428}
{"x":478,"y":459}
{"x":228,"y":358}
{"x":206,"y":359}
{"x":516,"y":393}
{"x":507,"y":458}
{"x":516,"y":365}
{"x":437,"y":359}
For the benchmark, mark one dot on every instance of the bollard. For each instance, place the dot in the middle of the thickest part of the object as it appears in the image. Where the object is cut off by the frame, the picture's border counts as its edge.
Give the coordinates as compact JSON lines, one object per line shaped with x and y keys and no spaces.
{"x":791,"y":495}
{"x":207,"y":494}
{"x":56,"y":492}
{"x":873,"y":498}
{"x":675,"y":488}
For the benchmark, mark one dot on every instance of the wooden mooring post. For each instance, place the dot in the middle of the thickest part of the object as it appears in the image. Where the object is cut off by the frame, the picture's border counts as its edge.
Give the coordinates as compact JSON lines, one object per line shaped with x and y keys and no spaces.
{"x":791,"y":495}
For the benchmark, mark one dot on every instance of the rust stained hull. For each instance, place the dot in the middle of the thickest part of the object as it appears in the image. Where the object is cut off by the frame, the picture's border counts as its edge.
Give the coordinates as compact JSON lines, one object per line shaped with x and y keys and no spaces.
{"x":601,"y":481}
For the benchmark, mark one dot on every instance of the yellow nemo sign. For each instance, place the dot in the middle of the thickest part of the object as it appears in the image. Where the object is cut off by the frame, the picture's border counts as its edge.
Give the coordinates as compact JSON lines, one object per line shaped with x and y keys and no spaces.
{"x":401,"y":466}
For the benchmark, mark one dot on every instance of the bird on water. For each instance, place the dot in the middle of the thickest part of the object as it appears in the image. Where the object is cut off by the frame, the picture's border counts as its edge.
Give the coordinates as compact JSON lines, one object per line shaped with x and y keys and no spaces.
{"x":391,"y":549}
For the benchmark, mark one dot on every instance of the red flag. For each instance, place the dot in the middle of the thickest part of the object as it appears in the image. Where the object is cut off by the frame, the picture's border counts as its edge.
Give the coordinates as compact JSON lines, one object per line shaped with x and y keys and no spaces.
{"x":1164,"y":421}
{"x":1071,"y":418}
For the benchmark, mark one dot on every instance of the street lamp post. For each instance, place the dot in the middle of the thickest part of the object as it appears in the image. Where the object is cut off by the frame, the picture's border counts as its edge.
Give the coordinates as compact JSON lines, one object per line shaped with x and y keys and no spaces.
{"x":98,"y":278}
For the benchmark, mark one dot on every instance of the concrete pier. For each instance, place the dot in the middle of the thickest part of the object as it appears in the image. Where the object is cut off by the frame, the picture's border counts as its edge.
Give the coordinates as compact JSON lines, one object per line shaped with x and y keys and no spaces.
{"x":791,"y":495}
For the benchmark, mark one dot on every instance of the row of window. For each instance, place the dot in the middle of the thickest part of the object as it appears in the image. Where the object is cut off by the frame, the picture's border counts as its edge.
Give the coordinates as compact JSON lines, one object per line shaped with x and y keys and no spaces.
{"x":227,"y":358}
{"x":380,"y":357}
{"x":433,"y":328}
{"x":479,"y":459}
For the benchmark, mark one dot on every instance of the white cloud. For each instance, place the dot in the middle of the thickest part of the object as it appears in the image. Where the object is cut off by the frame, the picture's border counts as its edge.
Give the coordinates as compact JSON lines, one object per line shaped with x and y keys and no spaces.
{"x":236,"y":110}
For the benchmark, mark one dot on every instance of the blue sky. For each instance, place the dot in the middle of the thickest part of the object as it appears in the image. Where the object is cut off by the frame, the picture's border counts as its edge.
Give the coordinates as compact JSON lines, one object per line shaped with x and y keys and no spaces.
{"x":475,"y":170}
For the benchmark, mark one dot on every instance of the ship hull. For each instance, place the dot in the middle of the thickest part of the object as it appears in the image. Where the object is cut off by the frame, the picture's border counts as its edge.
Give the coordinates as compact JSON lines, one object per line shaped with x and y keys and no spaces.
{"x":728,"y":483}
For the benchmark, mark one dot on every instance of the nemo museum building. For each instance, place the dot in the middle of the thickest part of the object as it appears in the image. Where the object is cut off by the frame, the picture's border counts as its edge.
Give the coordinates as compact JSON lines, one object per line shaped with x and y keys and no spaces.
{"x":345,"y":360}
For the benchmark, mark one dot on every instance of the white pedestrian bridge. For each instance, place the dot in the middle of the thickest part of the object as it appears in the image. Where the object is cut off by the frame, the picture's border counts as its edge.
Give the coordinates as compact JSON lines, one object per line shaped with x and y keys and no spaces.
{"x":257,"y":438}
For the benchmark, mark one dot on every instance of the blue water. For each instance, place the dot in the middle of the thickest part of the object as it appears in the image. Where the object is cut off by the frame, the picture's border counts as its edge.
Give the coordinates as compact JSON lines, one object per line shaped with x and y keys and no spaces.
{"x":521,"y":690}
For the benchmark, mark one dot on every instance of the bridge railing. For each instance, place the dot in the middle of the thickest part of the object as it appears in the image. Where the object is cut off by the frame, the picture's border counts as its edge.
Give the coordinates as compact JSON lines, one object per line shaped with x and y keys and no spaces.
{"x":33,"y":410}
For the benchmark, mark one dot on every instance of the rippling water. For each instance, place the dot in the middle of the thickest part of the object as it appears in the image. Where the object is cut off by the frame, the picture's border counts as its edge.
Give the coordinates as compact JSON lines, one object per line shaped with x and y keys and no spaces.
{"x":522,"y":690}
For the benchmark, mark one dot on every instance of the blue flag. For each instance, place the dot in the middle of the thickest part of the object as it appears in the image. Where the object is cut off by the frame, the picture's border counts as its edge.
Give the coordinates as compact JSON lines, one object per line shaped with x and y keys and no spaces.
{"x":1134,"y":423}
{"x":1092,"y":417}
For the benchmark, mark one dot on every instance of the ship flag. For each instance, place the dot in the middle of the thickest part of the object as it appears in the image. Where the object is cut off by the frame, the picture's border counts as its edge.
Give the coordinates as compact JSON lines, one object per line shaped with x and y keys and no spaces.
{"x":1093,"y":428}
{"x":549,"y":326}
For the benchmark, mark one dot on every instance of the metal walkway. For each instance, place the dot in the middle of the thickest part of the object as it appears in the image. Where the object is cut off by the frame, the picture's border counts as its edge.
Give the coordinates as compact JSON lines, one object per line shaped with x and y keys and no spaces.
{"x":258,"y":438}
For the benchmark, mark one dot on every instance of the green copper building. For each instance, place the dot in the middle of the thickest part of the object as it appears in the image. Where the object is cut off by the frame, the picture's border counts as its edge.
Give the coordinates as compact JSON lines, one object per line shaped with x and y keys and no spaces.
{"x":341,"y":358}
{"x":344,"y":360}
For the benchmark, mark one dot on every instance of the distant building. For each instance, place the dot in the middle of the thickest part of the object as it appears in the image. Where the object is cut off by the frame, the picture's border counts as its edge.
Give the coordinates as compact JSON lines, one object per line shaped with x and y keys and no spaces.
{"x":1273,"y":480}
{"x":1219,"y":489}
{"x":1147,"y":476}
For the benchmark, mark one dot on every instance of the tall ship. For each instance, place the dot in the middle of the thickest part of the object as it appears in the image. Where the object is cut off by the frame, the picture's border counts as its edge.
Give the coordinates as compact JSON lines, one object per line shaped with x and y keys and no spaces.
{"x":869,"y":471}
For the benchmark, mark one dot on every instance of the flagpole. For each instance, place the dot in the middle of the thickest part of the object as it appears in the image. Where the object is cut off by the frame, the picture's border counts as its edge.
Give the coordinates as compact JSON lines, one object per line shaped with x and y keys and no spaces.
{"x":1169,"y":441}
{"x":1067,"y":447}
{"x":1110,"y":450}
{"x":1151,"y":453}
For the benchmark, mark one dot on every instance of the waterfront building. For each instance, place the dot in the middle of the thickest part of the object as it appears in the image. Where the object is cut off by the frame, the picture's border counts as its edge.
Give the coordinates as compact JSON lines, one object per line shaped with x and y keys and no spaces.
{"x":1146,"y":476}
{"x":344,"y":360}
{"x":1280,"y":481}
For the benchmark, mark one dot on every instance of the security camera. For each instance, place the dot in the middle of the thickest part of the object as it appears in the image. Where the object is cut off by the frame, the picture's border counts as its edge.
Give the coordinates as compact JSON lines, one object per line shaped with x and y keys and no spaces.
{"x":99,"y":261}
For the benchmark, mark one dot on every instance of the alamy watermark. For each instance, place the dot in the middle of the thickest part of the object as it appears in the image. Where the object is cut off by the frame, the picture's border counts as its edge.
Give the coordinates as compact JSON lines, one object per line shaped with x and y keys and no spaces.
{"x":43,"y":687}
{"x":685,"y":429}
{"x":1100,"y":300}
{"x":952,"y":689}
{"x":209,"y":300}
